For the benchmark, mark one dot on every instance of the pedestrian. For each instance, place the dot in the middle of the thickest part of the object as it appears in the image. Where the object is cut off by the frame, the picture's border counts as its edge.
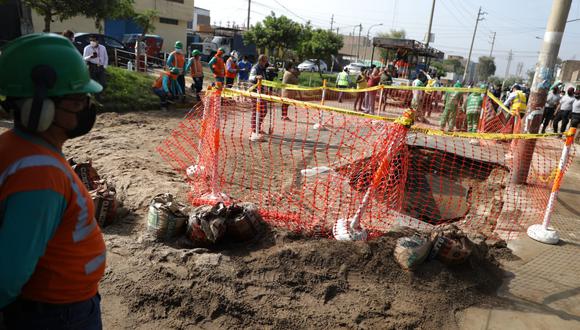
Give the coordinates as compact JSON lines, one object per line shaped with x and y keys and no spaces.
{"x":140,"y":52}
{"x":166,"y":86}
{"x":451,"y":102}
{"x":342,"y":82}
{"x":97,"y":59}
{"x":176,"y":59}
{"x":52,"y":252}
{"x":69,"y":35}
{"x":361,"y":83}
{"x":472,"y":108}
{"x":370,"y":96}
{"x":257,"y":73}
{"x":563,"y":111}
{"x":417,"y":100}
{"x":290,"y":78}
{"x":551,"y":103}
{"x":516,"y":101}
{"x":244,"y":68}
{"x":195,"y":68}
{"x":231,"y":69}
{"x":576,"y":110}
{"x":218,"y":68}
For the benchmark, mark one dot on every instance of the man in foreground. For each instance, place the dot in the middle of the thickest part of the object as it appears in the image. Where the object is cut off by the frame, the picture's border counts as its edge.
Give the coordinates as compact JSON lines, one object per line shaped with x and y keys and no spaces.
{"x":52,"y":252}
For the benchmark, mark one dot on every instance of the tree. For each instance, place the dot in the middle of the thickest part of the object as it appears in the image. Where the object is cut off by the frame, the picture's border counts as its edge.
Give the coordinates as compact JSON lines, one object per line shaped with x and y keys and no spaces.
{"x":393,"y":34}
{"x":485,"y":68}
{"x":494,"y":80}
{"x":145,"y":21}
{"x":274,"y":35}
{"x":63,"y":9}
{"x":319,"y":44}
{"x":511,"y":80}
{"x":453,"y":65}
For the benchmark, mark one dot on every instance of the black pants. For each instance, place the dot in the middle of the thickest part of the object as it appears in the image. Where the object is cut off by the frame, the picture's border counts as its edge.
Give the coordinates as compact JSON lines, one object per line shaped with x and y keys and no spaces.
{"x":575,"y":120}
{"x":181,"y":82}
{"x":547,"y":117}
{"x":197,"y":85}
{"x":98,"y":74}
{"x":564,"y":116}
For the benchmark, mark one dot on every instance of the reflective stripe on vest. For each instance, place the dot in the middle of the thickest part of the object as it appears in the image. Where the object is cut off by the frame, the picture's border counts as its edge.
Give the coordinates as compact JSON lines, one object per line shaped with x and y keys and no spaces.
{"x":178,"y":60}
{"x":83,"y":227}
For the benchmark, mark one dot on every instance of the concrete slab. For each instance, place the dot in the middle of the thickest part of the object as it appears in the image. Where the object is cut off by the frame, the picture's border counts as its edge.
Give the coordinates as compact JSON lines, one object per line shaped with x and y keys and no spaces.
{"x":485,"y":319}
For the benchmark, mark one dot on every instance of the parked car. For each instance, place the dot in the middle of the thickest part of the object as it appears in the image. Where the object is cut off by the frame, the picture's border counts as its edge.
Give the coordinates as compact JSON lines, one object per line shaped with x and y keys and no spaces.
{"x":310,"y":65}
{"x":153,"y":43}
{"x":355,"y":68}
{"x":82,"y":40}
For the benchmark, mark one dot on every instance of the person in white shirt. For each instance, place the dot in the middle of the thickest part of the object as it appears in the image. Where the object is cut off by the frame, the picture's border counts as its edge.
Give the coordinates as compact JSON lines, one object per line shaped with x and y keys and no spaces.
{"x":576,"y":109}
{"x":551,"y":103}
{"x":97,"y":59}
{"x":563,"y":111}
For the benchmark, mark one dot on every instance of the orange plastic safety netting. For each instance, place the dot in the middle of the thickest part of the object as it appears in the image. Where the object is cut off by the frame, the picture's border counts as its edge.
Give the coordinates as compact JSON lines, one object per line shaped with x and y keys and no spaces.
{"x":305,"y":176}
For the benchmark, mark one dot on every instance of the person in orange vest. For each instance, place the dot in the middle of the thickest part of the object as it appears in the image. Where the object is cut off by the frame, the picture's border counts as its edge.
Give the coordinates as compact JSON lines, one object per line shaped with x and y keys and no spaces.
{"x":231,"y":69}
{"x":52,"y":252}
{"x":218,"y":68}
{"x":177,"y":60}
{"x":194,"y":67}
{"x":166,"y":86}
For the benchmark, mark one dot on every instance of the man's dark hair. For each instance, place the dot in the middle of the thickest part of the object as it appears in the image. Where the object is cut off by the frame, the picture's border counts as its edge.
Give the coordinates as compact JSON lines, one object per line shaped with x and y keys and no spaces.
{"x":289,"y":65}
{"x":68,"y":34}
{"x":245,"y":57}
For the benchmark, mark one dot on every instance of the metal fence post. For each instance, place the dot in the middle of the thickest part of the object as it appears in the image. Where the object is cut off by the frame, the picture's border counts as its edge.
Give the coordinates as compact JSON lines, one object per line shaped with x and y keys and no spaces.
{"x":542,"y":232}
{"x":116,"y":58}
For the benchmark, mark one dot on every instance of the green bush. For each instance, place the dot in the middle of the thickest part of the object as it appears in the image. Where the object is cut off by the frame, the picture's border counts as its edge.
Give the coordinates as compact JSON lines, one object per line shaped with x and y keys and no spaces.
{"x":313,"y":79}
{"x":128,"y":91}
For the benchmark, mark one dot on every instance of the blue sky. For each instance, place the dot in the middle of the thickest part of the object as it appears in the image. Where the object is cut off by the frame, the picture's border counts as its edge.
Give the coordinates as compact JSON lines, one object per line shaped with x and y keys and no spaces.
{"x":517,"y":23}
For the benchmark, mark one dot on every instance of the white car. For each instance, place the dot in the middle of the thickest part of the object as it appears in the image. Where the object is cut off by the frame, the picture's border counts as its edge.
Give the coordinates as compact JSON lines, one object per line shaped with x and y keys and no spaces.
{"x":310,"y":65}
{"x":355,"y":68}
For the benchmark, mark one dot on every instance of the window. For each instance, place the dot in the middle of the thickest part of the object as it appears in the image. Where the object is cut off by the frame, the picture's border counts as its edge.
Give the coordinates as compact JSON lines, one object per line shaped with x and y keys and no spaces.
{"x":168,"y":20}
{"x":190,"y":25}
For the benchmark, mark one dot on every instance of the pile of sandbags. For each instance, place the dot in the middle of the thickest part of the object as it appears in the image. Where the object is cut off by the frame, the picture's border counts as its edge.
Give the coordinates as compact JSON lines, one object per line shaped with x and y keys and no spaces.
{"x":447,"y":244}
{"x":166,"y":217}
{"x":102,"y":192}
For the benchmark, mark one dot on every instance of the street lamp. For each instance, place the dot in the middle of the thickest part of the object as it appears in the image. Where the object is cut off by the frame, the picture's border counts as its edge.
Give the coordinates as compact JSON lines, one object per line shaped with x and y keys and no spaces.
{"x":368,"y":36}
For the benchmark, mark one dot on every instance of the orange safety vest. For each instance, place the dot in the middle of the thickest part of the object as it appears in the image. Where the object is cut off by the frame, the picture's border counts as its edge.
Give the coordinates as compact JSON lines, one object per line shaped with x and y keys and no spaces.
{"x":196,"y":69}
{"x":234,"y":66}
{"x":74,"y":260}
{"x":179,"y":60}
{"x":218,"y":67}
{"x":158,"y":83}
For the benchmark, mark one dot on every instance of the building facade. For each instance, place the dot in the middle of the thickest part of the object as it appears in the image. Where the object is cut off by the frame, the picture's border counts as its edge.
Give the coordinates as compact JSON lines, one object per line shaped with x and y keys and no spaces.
{"x":569,"y":71}
{"x":171,"y":24}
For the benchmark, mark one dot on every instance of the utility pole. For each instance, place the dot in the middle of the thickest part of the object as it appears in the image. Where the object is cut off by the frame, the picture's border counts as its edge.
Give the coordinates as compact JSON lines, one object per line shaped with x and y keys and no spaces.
{"x":352,"y":42}
{"x":523,"y":150}
{"x":492,"y":44}
{"x":332,"y":22}
{"x":248,"y":24}
{"x":479,"y":14}
{"x":358,"y":43}
{"x":430,"y":24}
{"x":519,"y":69}
{"x":509,"y":63}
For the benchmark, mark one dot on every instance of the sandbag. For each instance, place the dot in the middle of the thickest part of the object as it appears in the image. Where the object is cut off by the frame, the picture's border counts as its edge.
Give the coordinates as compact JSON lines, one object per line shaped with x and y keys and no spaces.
{"x":105,"y":203}
{"x":451,"y":246}
{"x":410,"y":252}
{"x":87,"y":173}
{"x":166,"y":217}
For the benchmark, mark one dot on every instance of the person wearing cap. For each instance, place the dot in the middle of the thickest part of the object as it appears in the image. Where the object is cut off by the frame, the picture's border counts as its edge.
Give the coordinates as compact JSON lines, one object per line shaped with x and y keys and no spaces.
{"x":176,"y":59}
{"x":451,"y":102}
{"x":52,"y":252}
{"x":342,"y":82}
{"x":231,"y":69}
{"x":551,"y":103}
{"x":563,"y":111}
{"x":97,"y":59}
{"x":472,"y":107}
{"x":516,"y":101}
{"x":244,"y":67}
{"x":218,"y":67}
{"x":195,"y":68}
{"x":166,"y":86}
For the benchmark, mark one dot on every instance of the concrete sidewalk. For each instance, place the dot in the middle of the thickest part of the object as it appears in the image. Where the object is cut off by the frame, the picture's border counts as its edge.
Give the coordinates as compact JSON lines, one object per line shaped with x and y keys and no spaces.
{"x":543,"y":287}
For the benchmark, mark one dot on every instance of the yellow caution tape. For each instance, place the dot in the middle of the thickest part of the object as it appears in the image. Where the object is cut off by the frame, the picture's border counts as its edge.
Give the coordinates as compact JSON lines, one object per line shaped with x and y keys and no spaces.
{"x":276,"y":84}
{"x":226,"y":92}
{"x":500,"y":103}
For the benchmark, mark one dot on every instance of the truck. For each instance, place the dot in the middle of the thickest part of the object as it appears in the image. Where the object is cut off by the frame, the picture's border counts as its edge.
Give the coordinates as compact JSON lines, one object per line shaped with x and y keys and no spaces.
{"x":227,"y":38}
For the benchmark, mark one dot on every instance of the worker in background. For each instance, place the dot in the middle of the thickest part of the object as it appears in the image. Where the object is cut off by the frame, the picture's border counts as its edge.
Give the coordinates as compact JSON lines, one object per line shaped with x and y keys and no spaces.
{"x":176,"y":59}
{"x":361,"y":83}
{"x":552,"y":102}
{"x":231,"y":69}
{"x":166,"y":86}
{"x":218,"y":68}
{"x":52,"y":252}
{"x":140,"y":52}
{"x":342,"y":82}
{"x":258,"y":73}
{"x":472,"y":107}
{"x":290,"y":77}
{"x":563,"y":111}
{"x":451,"y":102}
{"x":386,"y":80}
{"x":418,"y":95}
{"x":244,"y":67}
{"x":516,"y":101}
{"x":195,"y":69}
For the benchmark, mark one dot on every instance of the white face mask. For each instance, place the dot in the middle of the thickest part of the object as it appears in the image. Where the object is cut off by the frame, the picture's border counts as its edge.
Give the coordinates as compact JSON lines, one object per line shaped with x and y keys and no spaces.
{"x":94,"y":44}
{"x":178,"y":50}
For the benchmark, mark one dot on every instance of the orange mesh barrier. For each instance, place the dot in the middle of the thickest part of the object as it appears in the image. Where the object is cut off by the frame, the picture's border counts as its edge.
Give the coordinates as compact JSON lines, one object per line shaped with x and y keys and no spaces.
{"x":304,"y":177}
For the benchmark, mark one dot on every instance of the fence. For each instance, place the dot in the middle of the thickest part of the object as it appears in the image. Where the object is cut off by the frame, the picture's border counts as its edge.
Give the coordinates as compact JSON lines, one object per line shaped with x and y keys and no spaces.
{"x":305,"y":177}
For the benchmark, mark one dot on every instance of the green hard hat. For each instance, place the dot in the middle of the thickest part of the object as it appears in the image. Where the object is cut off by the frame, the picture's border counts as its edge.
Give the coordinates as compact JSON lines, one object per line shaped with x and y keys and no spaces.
{"x":483,"y":86}
{"x":174,"y":70}
{"x":221,"y":49}
{"x":178,"y":45}
{"x":22,"y":55}
{"x":458,"y":84}
{"x":195,"y":52}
